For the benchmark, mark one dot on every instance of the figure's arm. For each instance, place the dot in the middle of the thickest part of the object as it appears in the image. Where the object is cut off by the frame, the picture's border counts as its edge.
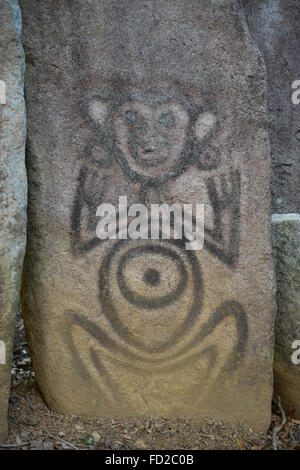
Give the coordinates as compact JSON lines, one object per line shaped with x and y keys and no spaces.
{"x":89,"y":192}
{"x":223,"y":239}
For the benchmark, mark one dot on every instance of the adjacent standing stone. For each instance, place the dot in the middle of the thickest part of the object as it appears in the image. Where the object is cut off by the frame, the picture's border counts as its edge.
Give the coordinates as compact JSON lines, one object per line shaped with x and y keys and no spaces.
{"x":13,"y":189}
{"x":158,"y":101}
{"x":286,"y":240}
{"x":275,"y":25}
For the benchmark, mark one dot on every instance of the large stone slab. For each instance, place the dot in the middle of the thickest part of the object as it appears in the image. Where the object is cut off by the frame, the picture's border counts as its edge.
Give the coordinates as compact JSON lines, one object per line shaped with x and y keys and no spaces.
{"x":13,"y":188}
{"x":158,"y":101}
{"x":286,"y":240}
{"x":275,"y":27}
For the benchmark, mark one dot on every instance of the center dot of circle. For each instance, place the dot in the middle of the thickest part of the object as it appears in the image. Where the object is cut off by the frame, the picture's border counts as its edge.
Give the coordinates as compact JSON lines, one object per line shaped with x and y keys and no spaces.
{"x":152,"y":277}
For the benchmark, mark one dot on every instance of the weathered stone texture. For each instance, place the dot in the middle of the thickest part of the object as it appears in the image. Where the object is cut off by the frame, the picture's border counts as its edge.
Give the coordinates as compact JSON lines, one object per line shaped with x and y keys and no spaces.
{"x":275,"y":25}
{"x":13,"y":189}
{"x":159,"y":101}
{"x":286,"y":240}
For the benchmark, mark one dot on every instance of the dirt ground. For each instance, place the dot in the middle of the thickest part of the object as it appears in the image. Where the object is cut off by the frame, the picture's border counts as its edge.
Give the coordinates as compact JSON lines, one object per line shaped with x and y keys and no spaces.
{"x":33,"y":427}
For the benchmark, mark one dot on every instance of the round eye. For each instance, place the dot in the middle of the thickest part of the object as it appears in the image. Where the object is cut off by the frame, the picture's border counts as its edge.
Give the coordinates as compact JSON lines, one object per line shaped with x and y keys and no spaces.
{"x":132,"y":116}
{"x":166,"y":119}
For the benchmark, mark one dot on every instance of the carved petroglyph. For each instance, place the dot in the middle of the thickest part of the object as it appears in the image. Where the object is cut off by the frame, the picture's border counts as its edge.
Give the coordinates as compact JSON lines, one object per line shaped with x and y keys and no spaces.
{"x":151,"y":139}
{"x":154,"y":140}
{"x":160,"y":103}
{"x":172,"y":290}
{"x":202,"y":346}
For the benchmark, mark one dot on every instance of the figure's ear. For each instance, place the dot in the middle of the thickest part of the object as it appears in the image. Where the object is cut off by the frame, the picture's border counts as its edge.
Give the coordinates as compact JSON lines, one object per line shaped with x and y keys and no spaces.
{"x":97,"y":109}
{"x":205,"y":124}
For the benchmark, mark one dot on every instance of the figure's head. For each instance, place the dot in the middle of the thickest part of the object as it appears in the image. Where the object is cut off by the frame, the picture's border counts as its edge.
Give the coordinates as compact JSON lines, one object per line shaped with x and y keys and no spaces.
{"x":152,"y":136}
{"x":152,"y":139}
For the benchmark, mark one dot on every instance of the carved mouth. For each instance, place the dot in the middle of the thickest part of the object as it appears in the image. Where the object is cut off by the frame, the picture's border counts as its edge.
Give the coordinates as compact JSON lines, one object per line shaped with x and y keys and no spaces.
{"x":151,"y":156}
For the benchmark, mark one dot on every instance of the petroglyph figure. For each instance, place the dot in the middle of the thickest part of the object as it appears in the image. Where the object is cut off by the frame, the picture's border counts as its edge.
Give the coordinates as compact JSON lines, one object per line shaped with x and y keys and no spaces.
{"x":153,"y":140}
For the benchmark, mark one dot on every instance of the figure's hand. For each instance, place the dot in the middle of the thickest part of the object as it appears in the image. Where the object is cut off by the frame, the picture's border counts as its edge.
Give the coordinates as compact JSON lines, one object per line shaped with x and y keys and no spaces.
{"x":224,"y":196}
{"x":90,"y":190}
{"x":94,"y":185}
{"x":224,"y":190}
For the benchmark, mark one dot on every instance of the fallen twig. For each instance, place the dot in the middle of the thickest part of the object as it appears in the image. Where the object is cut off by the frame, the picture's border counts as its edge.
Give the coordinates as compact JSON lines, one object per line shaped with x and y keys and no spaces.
{"x":18,"y":356}
{"x":9,"y":446}
{"x":277,"y":429}
{"x":62,"y":441}
{"x":19,"y":345}
{"x":29,"y":403}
